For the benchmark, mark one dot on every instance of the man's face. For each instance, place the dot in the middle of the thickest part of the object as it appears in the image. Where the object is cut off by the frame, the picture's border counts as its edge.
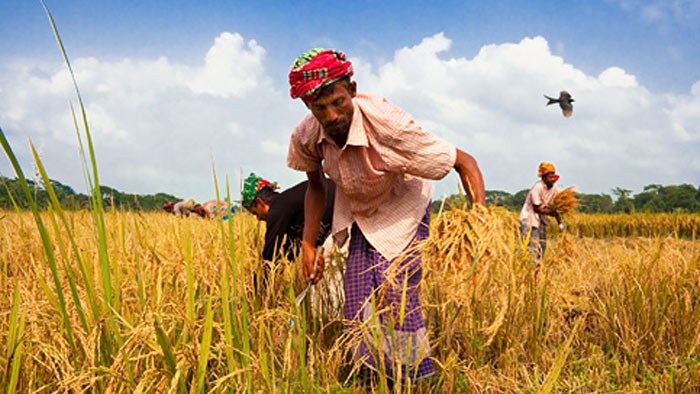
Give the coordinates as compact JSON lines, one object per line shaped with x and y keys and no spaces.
{"x":334,"y":108}
{"x":550,"y":178}
{"x":259,"y":208}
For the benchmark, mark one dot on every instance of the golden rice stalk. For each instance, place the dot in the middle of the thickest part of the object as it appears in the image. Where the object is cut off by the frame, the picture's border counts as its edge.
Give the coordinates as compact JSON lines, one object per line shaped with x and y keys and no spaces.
{"x":492,"y":330}
{"x":565,"y":201}
{"x":567,"y":244}
{"x":465,"y":244}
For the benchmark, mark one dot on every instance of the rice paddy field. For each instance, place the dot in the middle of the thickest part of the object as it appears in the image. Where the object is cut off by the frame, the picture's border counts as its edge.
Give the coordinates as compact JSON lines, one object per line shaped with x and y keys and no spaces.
{"x":151,"y":303}
{"x":104,"y":301}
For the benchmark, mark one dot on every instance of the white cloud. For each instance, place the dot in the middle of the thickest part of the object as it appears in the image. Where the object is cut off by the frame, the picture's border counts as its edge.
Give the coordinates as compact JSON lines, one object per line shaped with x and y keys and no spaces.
{"x":231,"y":69}
{"x":156,"y":124}
{"x":492,"y":106}
{"x":685,"y":116}
{"x":617,"y":77}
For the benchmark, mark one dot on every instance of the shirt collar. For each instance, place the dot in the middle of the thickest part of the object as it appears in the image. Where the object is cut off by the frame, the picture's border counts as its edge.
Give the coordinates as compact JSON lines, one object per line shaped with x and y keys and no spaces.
{"x":357,"y":136}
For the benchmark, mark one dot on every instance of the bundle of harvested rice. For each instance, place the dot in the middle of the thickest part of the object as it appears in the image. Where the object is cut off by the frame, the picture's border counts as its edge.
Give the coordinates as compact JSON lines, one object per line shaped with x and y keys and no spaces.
{"x":465,"y":243}
{"x":468,"y":255}
{"x":565,"y":201}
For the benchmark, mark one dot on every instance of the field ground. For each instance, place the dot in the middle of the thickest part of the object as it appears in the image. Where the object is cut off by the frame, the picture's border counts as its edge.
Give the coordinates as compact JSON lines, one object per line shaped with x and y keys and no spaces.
{"x":171,"y":305}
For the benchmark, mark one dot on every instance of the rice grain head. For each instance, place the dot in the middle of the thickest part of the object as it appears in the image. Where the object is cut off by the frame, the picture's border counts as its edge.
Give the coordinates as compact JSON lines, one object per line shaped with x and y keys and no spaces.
{"x":565,"y":201}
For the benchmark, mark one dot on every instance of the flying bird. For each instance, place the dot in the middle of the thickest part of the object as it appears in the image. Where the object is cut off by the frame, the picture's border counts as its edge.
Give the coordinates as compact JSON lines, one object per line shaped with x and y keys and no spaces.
{"x":564,"y":101}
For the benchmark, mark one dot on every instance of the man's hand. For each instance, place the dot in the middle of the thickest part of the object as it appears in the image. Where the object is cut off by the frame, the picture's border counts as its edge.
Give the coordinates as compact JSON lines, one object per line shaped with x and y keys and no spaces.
{"x":308,"y":253}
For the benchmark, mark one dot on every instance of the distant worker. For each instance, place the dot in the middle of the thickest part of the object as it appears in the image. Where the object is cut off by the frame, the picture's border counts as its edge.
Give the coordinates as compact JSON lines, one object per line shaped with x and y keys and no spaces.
{"x":533,"y":222}
{"x":283,"y":213}
{"x":212,"y":208}
{"x":183,"y":208}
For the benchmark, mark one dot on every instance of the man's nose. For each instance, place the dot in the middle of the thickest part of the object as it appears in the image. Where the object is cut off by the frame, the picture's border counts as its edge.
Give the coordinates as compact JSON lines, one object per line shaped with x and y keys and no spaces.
{"x":332,"y":115}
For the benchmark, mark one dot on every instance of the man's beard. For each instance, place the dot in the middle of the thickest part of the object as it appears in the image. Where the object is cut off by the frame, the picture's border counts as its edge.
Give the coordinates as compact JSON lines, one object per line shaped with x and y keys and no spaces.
{"x":337,"y":129}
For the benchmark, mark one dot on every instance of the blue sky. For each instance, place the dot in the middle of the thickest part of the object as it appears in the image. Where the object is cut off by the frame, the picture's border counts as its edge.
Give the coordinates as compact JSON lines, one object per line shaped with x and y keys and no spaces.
{"x":162,"y":99}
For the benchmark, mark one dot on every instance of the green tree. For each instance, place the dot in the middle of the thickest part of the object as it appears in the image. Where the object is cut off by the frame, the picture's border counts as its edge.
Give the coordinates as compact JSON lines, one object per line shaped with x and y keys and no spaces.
{"x":659,"y":198}
{"x":518,"y":200}
{"x":498,"y":198}
{"x":595,"y":203}
{"x":623,"y":202}
{"x":71,"y":200}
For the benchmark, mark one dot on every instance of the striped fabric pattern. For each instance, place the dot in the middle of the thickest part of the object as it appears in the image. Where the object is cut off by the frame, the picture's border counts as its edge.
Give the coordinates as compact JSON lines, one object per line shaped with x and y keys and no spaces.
{"x":405,"y":347}
{"x":382,"y":174}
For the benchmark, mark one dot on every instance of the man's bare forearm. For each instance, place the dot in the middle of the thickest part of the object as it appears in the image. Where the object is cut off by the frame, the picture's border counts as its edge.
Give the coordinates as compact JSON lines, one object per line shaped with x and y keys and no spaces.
{"x":472,"y":180}
{"x":314,"y":204}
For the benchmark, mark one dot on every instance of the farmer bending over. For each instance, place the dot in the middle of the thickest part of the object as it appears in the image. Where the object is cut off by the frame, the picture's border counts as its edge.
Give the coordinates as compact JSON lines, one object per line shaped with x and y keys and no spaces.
{"x":283,"y":213}
{"x":183,"y":208}
{"x":213,"y":208}
{"x":382,"y":164}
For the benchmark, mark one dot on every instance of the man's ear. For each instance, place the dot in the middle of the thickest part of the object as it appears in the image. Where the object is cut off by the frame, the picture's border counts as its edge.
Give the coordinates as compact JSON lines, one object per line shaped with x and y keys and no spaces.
{"x":352,"y":88}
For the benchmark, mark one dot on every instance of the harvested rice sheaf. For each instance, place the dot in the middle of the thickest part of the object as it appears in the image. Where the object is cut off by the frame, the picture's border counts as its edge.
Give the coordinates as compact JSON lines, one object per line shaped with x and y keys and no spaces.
{"x":464,"y":245}
{"x":565,"y":201}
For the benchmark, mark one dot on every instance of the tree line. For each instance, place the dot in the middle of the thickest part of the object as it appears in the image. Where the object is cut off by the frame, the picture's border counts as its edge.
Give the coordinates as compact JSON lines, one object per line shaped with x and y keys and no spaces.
{"x":653,"y":199}
{"x":69,"y":199}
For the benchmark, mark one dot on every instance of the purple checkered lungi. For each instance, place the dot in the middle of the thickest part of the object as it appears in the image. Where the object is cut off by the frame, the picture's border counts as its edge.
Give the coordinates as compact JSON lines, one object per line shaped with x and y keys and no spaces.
{"x":367,"y":272}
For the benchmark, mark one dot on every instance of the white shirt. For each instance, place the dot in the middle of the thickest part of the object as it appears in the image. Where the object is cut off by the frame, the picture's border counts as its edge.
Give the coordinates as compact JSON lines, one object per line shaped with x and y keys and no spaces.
{"x":539,"y":195}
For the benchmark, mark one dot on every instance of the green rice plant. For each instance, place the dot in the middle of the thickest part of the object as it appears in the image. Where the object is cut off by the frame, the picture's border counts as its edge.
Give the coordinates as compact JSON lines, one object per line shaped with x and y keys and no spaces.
{"x":56,"y":207}
{"x":164,"y":343}
{"x":226,"y":287}
{"x":163,"y":304}
{"x":198,"y":385}
{"x":67,"y":328}
{"x":562,"y":355}
{"x":110,"y":338}
{"x":14,"y":344}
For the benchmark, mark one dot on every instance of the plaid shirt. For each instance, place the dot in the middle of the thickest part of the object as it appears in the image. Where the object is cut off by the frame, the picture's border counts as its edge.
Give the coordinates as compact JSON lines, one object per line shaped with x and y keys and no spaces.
{"x":381,"y":174}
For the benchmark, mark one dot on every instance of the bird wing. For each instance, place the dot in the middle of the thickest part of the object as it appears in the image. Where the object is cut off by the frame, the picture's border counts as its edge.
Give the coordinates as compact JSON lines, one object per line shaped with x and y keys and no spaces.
{"x":567,"y":112}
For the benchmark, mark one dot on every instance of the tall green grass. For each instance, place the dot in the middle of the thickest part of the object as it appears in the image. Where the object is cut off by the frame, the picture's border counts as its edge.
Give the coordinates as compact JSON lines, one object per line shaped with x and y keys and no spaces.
{"x":123,"y":302}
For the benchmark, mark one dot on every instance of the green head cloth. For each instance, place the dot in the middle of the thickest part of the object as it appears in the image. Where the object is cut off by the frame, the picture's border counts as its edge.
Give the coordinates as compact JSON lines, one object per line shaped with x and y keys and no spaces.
{"x":251,"y":187}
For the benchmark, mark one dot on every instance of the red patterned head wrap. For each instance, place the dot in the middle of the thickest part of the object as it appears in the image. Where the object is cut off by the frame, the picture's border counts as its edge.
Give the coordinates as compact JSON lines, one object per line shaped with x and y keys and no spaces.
{"x":315,"y":70}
